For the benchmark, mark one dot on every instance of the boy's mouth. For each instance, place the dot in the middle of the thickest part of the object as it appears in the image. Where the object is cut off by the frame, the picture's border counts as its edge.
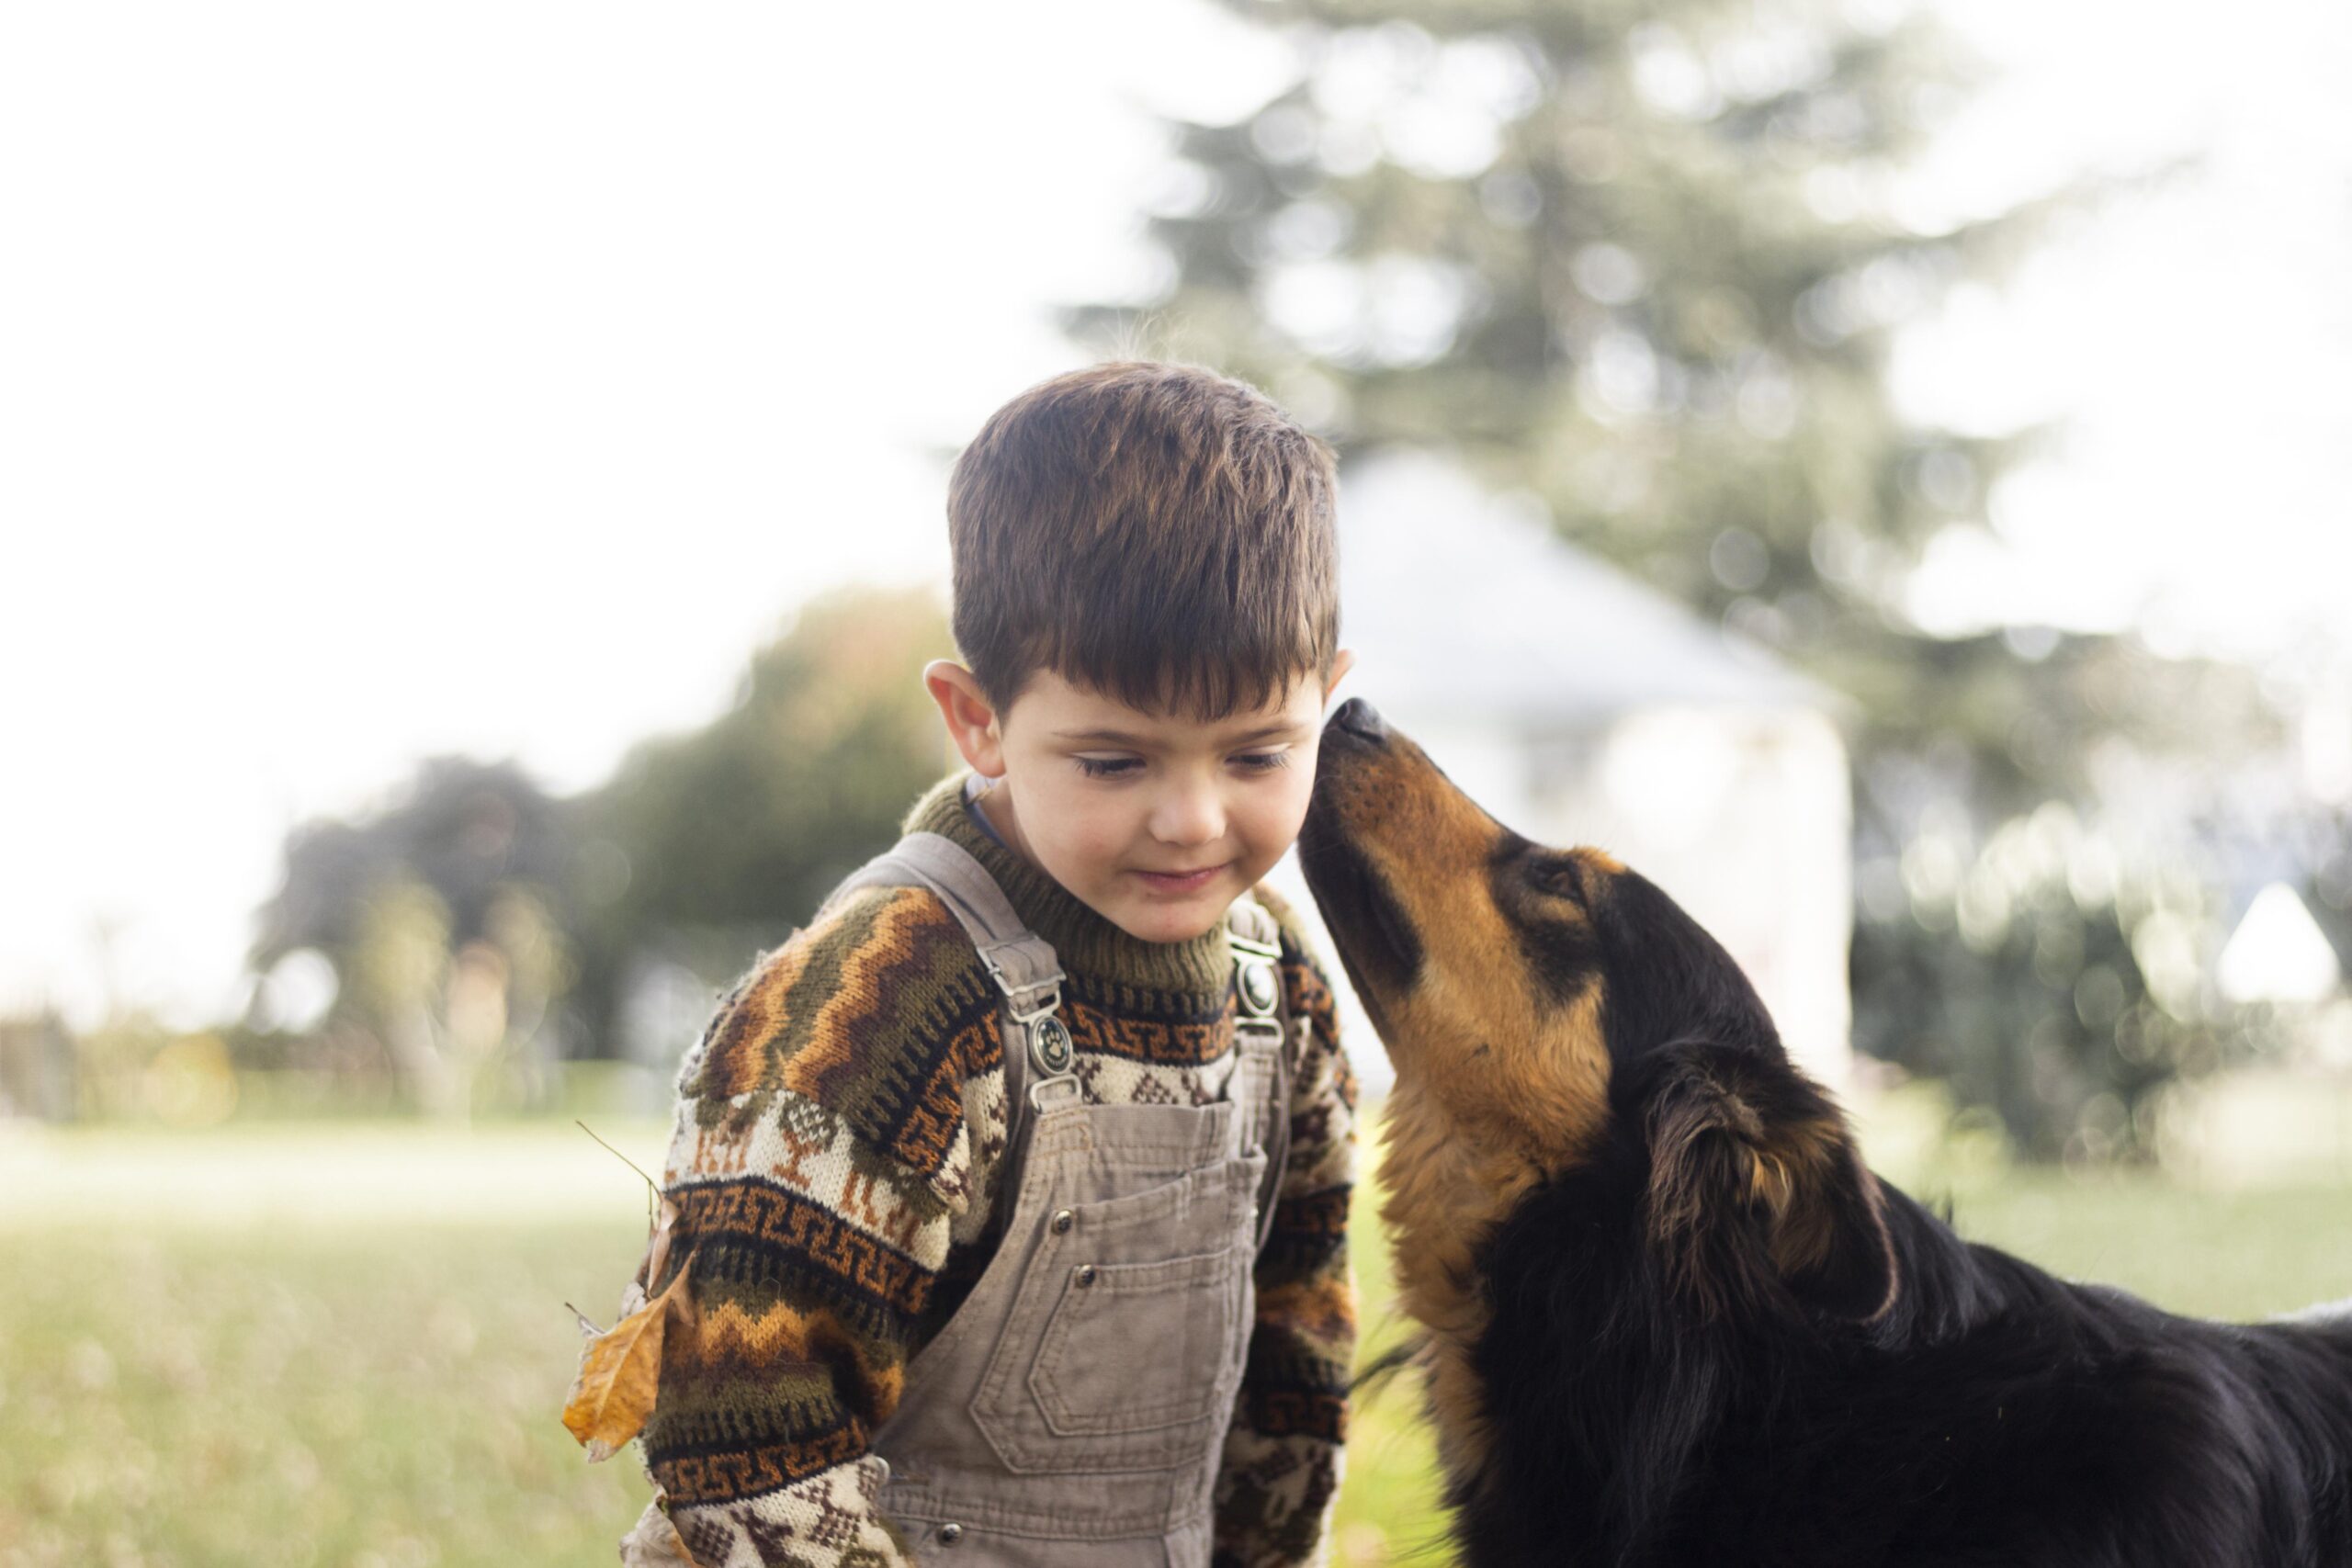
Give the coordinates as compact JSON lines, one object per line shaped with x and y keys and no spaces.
{"x":1179,"y":882}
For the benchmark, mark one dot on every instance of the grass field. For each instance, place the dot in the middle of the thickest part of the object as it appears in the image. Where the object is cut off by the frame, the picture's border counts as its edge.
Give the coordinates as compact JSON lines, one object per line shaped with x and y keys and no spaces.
{"x":348,"y":1345}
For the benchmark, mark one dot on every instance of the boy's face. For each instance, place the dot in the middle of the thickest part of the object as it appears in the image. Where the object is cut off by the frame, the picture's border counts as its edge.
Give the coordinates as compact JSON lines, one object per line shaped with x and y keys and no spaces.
{"x":1102,"y":796}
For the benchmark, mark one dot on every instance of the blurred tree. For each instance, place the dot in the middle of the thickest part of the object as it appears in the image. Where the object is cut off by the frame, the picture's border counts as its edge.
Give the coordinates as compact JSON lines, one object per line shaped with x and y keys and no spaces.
{"x":453,"y":865}
{"x":711,"y":844}
{"x":2060,"y":975}
{"x":2328,"y":891}
{"x":462,"y":830}
{"x":400,"y":969}
{"x":1645,"y":264}
{"x":754,"y":816}
{"x":477,"y":926}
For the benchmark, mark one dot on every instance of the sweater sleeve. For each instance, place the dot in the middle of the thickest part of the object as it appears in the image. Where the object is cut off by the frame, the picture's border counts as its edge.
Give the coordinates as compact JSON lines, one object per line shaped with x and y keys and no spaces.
{"x":1280,"y":1473}
{"x":818,"y":1162}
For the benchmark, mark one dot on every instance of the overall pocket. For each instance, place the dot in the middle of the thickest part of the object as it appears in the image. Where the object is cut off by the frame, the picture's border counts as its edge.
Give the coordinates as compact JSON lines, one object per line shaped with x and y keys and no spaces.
{"x":1122,"y":1352}
{"x":1134,"y":1347}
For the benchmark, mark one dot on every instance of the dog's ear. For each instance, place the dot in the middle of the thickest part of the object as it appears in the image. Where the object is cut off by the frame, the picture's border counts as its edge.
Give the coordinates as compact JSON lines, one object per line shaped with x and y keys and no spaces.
{"x":1757,"y":1194}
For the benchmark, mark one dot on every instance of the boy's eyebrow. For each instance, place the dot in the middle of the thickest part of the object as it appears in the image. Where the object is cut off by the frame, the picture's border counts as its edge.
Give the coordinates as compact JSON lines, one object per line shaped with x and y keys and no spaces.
{"x":1121,"y":738}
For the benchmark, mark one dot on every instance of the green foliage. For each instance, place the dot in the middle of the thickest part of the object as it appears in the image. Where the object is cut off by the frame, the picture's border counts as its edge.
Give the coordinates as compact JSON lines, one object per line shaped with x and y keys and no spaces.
{"x":711,"y":845}
{"x":752,"y":818}
{"x":2087,"y":967}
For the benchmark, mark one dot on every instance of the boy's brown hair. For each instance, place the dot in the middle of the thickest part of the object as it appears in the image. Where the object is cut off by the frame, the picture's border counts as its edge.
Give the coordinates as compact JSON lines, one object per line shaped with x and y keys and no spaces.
{"x":1156,"y":531}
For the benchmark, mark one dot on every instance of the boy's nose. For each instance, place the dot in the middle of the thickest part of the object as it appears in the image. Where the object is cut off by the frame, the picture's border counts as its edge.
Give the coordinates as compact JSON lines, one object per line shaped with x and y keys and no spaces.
{"x":1360,"y":717}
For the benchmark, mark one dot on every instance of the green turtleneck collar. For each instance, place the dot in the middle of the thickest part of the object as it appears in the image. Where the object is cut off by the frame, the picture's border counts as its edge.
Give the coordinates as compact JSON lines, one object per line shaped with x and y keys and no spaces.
{"x":1086,"y":943}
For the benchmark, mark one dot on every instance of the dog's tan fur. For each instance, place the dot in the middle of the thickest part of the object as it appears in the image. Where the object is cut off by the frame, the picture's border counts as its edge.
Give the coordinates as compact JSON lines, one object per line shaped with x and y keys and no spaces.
{"x":1470,"y":1127}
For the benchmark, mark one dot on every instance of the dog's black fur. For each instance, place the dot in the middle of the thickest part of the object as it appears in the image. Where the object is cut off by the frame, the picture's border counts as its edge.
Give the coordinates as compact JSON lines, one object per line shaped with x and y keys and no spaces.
{"x":1671,"y":1379}
{"x":1992,"y":1414}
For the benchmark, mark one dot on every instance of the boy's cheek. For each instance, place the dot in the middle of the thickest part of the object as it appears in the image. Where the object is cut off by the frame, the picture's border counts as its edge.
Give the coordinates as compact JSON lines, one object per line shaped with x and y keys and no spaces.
{"x":1294,"y":805}
{"x":1096,"y":865}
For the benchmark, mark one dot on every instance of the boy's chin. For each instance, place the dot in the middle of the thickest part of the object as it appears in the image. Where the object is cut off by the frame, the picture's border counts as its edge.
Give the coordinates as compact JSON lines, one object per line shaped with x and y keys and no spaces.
{"x":1170,"y":923}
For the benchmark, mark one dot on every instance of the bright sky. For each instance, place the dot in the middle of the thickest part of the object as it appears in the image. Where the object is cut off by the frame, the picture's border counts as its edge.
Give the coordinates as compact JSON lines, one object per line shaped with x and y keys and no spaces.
{"x":2200,"y":338}
{"x":489,"y":378}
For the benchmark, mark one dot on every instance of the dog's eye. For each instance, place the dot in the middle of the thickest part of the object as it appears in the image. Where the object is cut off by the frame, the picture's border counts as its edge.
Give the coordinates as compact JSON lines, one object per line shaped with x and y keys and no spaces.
{"x":1558,"y":876}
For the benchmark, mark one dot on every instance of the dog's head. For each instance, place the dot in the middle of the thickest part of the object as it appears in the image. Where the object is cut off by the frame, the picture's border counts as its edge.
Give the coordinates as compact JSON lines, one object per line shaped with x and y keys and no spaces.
{"x":1550,"y":1011}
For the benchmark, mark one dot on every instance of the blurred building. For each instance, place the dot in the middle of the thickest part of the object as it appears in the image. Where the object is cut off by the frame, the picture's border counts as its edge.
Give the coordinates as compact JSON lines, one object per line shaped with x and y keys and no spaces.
{"x":1581,"y":707}
{"x":37,"y":1069}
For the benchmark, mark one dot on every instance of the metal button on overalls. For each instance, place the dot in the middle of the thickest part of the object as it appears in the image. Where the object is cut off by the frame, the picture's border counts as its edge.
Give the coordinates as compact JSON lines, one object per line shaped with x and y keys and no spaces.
{"x":1073,"y":1412}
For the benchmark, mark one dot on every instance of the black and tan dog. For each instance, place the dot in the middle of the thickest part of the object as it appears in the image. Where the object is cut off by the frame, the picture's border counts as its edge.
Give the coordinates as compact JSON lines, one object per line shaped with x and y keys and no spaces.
{"x":1670,"y":1316}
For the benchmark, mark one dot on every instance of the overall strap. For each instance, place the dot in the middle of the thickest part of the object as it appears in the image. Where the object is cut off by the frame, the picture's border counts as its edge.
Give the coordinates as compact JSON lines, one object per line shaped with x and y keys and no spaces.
{"x":1263,"y":1006}
{"x":1038,"y":1052}
{"x":1039,"y":1055}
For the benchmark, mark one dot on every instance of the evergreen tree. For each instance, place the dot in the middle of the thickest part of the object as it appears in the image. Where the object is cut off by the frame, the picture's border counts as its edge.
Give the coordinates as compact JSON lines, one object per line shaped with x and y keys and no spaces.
{"x":1643,"y":263}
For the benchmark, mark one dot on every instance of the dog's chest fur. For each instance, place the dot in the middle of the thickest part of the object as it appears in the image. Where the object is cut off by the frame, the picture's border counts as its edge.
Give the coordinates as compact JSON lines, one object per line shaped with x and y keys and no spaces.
{"x":1443,"y":1194}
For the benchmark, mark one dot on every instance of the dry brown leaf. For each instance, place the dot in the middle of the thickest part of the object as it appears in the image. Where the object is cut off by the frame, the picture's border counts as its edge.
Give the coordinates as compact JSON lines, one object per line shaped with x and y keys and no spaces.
{"x":656,"y":1258}
{"x":657,"y":1246}
{"x":613,"y":1392}
{"x":654,"y":1542}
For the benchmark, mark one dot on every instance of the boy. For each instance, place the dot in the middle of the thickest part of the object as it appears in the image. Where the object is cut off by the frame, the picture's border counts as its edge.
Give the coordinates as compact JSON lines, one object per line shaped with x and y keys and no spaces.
{"x":966,"y":1291}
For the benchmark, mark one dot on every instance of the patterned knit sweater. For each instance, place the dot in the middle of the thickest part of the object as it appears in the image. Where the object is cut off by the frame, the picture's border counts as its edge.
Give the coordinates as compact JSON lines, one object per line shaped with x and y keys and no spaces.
{"x":839,"y":1134}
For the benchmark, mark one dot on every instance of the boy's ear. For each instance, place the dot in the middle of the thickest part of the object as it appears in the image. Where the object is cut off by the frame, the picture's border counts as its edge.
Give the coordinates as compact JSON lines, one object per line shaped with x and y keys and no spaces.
{"x":971,"y":722}
{"x":1756,"y":1193}
{"x":1341,"y":662}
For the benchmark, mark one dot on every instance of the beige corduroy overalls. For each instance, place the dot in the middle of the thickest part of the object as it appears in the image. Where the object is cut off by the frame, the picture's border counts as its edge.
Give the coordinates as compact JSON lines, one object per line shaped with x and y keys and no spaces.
{"x":1072,"y":1411}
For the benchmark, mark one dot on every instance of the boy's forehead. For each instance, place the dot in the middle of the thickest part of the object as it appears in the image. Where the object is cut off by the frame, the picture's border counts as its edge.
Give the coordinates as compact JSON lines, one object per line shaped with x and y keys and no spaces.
{"x":1070,"y":712}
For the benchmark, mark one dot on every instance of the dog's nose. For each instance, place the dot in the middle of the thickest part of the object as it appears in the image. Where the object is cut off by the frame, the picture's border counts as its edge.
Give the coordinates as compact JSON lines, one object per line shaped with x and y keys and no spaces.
{"x":1360,"y":717}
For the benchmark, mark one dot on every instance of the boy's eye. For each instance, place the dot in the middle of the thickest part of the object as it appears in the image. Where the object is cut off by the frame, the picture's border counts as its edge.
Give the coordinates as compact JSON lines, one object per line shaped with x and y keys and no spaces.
{"x":1119,"y":767}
